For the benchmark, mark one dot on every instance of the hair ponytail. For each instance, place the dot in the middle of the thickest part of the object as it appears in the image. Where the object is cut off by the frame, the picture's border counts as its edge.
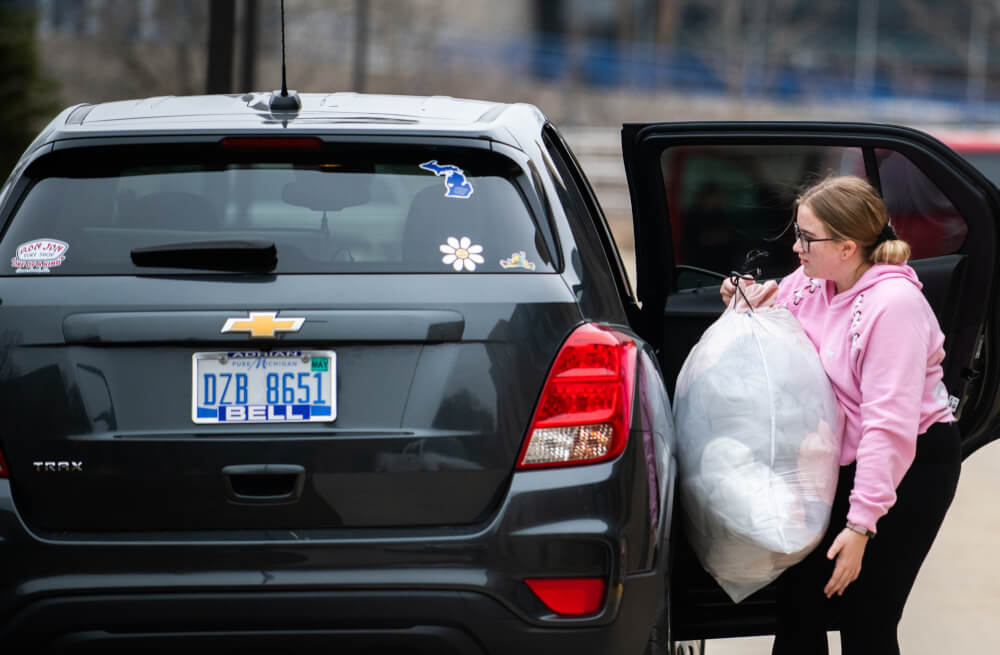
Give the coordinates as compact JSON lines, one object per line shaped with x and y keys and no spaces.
{"x":895,"y":251}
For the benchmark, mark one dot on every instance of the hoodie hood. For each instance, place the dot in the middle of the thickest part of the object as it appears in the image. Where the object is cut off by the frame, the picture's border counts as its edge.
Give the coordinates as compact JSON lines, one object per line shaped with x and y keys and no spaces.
{"x":878,"y":273}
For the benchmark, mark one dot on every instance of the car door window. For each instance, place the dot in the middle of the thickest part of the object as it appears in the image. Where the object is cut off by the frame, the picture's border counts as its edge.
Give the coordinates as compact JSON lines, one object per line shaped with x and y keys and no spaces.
{"x":725,"y":201}
{"x":922,"y":215}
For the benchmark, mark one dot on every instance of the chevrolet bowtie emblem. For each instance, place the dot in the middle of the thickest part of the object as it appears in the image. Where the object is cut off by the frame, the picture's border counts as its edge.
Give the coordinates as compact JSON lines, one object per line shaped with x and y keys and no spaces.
{"x":263,"y":324}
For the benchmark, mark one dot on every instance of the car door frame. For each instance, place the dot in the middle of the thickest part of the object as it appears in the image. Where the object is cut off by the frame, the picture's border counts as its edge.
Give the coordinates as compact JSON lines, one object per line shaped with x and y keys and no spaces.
{"x":970,"y":192}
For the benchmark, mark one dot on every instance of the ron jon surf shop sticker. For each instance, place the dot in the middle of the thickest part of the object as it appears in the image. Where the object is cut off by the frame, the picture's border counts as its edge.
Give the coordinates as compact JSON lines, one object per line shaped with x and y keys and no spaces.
{"x":39,"y":256}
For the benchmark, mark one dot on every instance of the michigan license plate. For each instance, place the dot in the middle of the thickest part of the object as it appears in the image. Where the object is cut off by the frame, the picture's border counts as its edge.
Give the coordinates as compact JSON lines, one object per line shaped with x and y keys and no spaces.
{"x":287,"y":386}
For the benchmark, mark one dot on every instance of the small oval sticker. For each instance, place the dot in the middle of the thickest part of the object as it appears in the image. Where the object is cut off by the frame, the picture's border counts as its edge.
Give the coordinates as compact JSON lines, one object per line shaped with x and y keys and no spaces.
{"x":39,"y":256}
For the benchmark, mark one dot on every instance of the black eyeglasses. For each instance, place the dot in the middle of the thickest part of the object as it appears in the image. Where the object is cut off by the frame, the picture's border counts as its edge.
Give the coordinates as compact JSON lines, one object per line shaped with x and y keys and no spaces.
{"x":804,"y":241}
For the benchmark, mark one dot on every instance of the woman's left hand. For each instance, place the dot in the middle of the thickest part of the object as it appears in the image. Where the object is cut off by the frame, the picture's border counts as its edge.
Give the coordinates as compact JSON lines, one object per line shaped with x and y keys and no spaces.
{"x":848,"y":549}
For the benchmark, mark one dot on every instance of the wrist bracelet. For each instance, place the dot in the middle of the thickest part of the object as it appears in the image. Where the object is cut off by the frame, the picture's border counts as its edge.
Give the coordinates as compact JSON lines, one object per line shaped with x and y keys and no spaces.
{"x":860,"y":529}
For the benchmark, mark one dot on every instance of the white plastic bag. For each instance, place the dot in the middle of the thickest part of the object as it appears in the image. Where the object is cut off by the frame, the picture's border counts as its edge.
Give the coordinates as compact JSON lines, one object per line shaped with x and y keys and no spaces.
{"x":758,"y":438}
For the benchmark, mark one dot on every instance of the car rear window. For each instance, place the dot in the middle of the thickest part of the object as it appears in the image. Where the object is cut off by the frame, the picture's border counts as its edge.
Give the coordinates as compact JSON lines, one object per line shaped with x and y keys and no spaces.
{"x":324,"y":207}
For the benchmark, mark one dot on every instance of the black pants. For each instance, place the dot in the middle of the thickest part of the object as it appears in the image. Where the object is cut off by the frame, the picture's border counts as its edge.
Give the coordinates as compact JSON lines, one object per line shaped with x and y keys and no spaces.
{"x":871,"y":607}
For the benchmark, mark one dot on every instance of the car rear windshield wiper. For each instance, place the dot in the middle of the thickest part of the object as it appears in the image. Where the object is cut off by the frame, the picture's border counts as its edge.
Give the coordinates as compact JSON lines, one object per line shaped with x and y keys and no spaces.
{"x":250,"y":256}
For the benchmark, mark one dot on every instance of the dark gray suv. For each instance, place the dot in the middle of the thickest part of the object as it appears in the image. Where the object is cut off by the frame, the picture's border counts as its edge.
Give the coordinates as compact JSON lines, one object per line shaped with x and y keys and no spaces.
{"x":365,"y":373}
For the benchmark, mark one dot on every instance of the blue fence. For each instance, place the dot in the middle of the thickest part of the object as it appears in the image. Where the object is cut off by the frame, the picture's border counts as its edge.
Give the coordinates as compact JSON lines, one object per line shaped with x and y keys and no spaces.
{"x":608,"y":64}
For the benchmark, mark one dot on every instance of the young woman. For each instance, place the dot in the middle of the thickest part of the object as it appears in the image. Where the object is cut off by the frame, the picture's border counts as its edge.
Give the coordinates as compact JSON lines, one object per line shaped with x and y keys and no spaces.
{"x":881,"y":347}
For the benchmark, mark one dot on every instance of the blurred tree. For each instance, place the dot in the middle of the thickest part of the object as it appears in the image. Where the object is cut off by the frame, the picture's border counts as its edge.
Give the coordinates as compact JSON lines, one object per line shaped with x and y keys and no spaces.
{"x":940,"y":22}
{"x":360,"y":60}
{"x":549,"y":58}
{"x":752,"y":41}
{"x":221,"y":37}
{"x":625,"y":20}
{"x":412,"y":34}
{"x":667,"y":19}
{"x":27,"y":97}
{"x":132,"y":49}
{"x":794,"y":26}
{"x":796,"y":30}
{"x":248,"y":50}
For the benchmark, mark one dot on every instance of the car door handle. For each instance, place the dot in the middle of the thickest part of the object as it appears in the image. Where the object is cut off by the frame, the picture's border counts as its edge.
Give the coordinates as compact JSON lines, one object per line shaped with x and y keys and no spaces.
{"x":264,"y":483}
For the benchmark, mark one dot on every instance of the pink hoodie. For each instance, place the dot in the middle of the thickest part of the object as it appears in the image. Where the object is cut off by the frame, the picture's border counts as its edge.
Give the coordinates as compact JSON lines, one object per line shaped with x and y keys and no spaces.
{"x":881,"y":347}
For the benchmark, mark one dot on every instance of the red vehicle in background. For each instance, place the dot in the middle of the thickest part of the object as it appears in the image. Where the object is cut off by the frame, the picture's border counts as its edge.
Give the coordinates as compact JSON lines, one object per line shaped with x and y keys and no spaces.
{"x":980,"y":147}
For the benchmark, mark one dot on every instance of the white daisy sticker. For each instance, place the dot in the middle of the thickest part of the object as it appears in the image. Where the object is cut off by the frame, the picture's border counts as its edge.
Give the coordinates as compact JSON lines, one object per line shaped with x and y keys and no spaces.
{"x":461,"y":253}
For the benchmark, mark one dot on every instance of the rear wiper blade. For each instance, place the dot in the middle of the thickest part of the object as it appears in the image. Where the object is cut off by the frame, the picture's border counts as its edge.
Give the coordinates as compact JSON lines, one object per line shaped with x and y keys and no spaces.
{"x":251,"y":256}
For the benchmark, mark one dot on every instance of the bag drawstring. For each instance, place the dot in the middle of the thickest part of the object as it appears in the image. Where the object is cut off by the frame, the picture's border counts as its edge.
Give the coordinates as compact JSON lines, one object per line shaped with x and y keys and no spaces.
{"x":749,"y":273}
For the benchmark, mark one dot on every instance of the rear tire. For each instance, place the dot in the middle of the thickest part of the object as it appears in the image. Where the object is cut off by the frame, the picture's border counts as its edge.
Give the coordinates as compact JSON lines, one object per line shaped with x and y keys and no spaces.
{"x":689,"y":648}
{"x":659,"y":633}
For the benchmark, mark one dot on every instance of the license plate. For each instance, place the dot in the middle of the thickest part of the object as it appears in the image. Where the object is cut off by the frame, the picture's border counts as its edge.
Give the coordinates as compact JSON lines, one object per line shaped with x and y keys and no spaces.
{"x":289,"y":386}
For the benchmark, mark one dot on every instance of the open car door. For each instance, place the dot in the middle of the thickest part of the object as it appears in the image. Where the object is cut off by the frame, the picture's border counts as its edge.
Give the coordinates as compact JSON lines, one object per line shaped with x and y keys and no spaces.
{"x":706,"y":194}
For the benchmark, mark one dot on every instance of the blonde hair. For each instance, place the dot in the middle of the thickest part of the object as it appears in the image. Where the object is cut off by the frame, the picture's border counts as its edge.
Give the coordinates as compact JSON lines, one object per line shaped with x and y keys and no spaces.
{"x":853,"y":210}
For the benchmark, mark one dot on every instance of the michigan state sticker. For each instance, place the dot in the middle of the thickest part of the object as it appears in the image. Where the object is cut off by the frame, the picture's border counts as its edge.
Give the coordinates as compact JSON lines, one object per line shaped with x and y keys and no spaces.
{"x":456,"y":185}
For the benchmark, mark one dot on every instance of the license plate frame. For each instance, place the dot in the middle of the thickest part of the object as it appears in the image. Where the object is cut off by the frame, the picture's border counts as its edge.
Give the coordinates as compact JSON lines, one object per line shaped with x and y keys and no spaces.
{"x":257,"y":366}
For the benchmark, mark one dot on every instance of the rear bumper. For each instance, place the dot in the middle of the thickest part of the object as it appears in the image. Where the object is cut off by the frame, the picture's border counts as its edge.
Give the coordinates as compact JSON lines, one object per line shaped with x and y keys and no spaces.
{"x":441,"y":591}
{"x":438,"y":623}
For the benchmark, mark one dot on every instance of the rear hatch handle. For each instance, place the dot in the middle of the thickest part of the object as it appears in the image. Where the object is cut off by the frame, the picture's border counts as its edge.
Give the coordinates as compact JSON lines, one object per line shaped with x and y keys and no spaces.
{"x":263,"y":483}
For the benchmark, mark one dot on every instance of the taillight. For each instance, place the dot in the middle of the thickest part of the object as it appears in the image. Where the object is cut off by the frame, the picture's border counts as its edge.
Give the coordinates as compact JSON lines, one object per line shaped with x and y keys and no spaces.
{"x":583,"y":413}
{"x":3,"y":467}
{"x":272,"y":143}
{"x":569,"y":596}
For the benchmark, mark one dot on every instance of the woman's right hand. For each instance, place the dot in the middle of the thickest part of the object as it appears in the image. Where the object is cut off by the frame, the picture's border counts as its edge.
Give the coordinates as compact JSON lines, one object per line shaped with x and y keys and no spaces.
{"x":729,"y":288}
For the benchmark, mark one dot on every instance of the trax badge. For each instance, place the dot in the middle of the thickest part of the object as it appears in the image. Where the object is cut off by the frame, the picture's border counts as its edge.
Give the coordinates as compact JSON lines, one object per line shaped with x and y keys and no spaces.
{"x":263,"y":325}
{"x":61,"y":466}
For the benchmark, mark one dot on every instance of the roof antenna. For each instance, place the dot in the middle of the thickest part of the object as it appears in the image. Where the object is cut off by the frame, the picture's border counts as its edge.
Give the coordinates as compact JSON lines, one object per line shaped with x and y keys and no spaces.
{"x":284,"y":85}
{"x":284,"y":100}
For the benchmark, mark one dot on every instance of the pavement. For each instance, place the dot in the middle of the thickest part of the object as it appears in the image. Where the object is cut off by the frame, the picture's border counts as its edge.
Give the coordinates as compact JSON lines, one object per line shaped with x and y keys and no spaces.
{"x":955,"y":604}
